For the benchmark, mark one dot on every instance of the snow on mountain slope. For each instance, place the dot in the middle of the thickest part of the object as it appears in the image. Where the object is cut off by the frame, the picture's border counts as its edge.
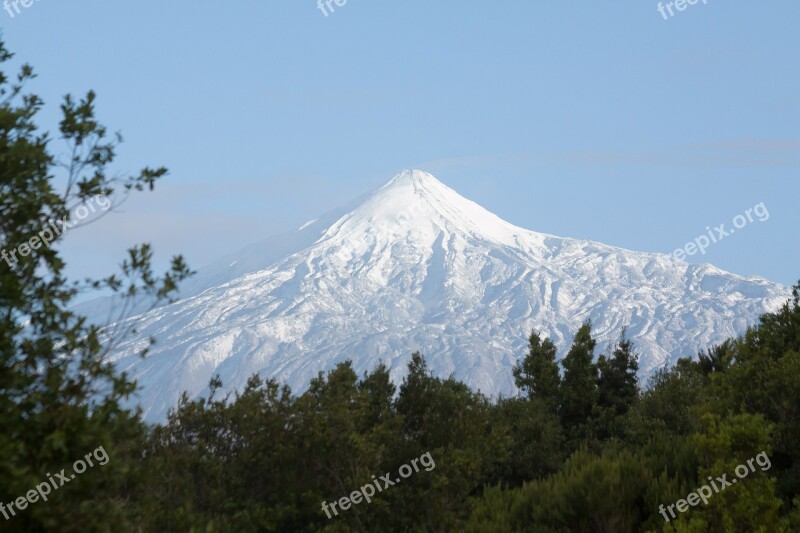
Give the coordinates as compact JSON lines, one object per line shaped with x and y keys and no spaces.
{"x":415,"y":266}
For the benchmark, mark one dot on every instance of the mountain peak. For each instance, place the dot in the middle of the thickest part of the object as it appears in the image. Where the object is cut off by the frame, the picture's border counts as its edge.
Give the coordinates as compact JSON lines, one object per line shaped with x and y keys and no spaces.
{"x":414,"y":201}
{"x":415,"y":182}
{"x":414,"y":177}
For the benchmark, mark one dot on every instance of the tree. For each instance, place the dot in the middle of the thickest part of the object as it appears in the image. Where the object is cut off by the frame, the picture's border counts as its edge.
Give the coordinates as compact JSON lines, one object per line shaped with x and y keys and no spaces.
{"x":536,"y":440}
{"x":617,"y":384}
{"x":764,"y":378}
{"x":613,"y":491}
{"x":59,"y":396}
{"x":716,"y":359}
{"x":537,"y":374}
{"x":578,"y":389}
{"x":750,"y":503}
{"x":455,"y":425}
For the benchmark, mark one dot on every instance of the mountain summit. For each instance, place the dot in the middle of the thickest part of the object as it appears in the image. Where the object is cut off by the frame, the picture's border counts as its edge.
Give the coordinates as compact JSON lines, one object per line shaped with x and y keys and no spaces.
{"x":415,"y":266}
{"x":414,"y":202}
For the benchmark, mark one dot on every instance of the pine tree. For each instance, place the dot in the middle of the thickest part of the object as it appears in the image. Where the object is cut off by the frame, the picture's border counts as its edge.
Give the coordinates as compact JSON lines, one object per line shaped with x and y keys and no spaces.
{"x":415,"y":397}
{"x":716,"y":359}
{"x":578,"y":389}
{"x":537,"y":374}
{"x":617,"y":385}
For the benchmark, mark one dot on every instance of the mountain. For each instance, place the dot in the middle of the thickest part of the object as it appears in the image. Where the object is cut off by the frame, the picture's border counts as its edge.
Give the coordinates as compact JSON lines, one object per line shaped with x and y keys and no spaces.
{"x":415,"y":266}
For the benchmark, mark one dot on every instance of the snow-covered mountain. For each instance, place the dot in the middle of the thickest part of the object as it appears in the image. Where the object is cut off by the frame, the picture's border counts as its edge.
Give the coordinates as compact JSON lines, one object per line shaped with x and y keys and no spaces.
{"x":415,"y":266}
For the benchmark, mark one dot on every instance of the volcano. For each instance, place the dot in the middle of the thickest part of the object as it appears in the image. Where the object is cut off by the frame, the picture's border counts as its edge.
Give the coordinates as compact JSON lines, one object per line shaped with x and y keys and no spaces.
{"x":414,"y":266}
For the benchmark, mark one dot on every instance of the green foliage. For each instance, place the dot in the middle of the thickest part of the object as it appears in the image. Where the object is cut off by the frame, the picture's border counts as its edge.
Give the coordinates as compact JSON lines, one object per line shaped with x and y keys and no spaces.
{"x":671,"y":402}
{"x":533,"y":437}
{"x":578,"y":389}
{"x":617,"y":390}
{"x":537,"y":374}
{"x":696,"y":420}
{"x":716,"y":359}
{"x":617,"y":385}
{"x":765,"y":379}
{"x":749,"y":505}
{"x":611,"y":492}
{"x":265,"y":460}
{"x":59,"y":396}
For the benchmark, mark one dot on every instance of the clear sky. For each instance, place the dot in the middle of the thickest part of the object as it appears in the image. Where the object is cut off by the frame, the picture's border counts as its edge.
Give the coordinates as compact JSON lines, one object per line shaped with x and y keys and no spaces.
{"x":595,"y":120}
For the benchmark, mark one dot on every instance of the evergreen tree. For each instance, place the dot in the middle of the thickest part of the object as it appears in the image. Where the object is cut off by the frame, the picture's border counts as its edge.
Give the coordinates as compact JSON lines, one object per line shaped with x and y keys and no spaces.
{"x":716,"y":359}
{"x":415,"y":397}
{"x":454,"y":424}
{"x":536,"y":441}
{"x":617,"y":384}
{"x":578,"y":389}
{"x":537,"y":374}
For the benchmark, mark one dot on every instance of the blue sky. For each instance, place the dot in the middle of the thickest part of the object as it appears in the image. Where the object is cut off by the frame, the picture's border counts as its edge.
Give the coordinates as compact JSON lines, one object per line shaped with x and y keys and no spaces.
{"x":593,"y":120}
